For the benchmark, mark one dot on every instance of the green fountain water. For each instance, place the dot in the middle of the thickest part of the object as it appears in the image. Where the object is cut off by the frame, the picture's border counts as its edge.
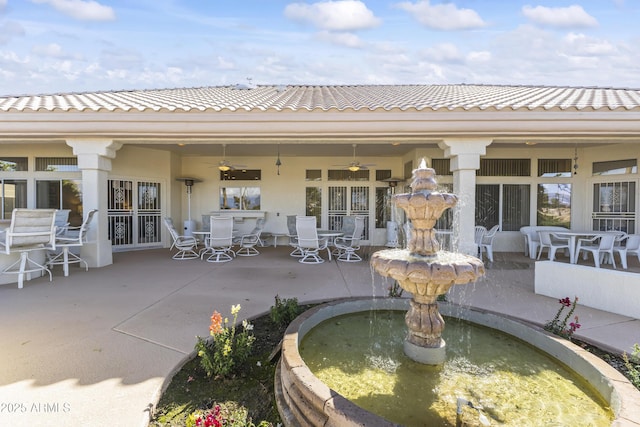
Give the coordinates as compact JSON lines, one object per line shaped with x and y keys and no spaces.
{"x":511,"y":383}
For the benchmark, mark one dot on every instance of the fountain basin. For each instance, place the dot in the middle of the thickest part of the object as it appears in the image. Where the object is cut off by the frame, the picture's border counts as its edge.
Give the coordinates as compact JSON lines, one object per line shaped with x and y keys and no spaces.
{"x":303,"y":400}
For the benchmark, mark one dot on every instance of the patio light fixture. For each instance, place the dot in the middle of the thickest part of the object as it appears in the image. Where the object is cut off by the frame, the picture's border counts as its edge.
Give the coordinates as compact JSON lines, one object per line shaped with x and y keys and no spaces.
{"x":278,"y":162}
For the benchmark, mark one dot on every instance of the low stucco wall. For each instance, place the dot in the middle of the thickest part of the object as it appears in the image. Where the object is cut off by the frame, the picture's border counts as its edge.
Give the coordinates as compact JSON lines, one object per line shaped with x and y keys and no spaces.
{"x":609,"y":290}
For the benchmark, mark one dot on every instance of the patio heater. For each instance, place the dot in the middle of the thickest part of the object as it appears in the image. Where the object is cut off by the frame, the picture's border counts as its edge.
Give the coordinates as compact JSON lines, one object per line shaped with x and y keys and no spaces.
{"x":392,"y":225}
{"x":189,"y":225}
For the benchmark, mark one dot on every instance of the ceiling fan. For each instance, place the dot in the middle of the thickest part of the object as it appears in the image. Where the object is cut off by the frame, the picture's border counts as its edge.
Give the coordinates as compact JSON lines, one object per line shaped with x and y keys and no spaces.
{"x":225,"y":165}
{"x":355,"y":165}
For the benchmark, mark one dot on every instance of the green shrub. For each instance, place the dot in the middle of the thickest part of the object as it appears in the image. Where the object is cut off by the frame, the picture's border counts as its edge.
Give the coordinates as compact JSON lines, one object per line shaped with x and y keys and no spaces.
{"x":227,"y":348}
{"x":285,"y":310}
{"x":632,"y":364}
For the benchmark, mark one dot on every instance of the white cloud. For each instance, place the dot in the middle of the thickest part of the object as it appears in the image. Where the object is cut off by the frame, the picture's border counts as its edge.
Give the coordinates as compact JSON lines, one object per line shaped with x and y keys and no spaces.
{"x":443,"y":52}
{"x":581,"y":44}
{"x":224,"y":64}
{"x":443,"y":16}
{"x":560,"y":17}
{"x":81,"y":9}
{"x":3,"y":4}
{"x":10,"y":29}
{"x":341,"y":15}
{"x":341,"y":39}
{"x":479,"y":56}
{"x":53,"y":50}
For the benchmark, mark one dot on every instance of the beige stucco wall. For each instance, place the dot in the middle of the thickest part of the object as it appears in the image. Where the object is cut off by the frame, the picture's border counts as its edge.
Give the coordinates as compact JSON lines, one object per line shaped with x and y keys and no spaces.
{"x":283,"y":194}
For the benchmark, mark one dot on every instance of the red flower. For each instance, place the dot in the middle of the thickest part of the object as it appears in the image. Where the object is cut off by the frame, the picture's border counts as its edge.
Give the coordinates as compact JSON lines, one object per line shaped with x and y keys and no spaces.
{"x":565,"y":301}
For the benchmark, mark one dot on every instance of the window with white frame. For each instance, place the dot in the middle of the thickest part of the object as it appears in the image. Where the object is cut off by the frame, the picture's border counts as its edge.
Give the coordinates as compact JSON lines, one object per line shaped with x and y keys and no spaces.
{"x":14,"y":195}
{"x":61,"y":194}
{"x":504,"y":204}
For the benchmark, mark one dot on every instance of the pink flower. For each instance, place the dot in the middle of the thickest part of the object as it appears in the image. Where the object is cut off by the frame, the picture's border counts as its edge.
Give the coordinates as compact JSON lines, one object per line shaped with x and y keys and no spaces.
{"x":565,"y":302}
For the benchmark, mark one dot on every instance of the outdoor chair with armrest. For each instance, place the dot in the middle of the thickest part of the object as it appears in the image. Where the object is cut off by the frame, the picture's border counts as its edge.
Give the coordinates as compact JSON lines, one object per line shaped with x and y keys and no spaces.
{"x":486,"y":242}
{"x":219,"y":243}
{"x":308,"y":240}
{"x":480,"y":231}
{"x":552,"y":242}
{"x":73,"y":237}
{"x":348,"y":245}
{"x":248,"y":242}
{"x":30,"y":230}
{"x":185,"y":245}
{"x":62,"y":221}
{"x":599,"y":246}
{"x":629,"y":244}
{"x":293,"y":236}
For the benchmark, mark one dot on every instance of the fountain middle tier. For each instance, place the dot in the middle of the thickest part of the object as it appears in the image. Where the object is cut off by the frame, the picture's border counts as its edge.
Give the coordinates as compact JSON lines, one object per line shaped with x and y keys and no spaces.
{"x":426,"y":277}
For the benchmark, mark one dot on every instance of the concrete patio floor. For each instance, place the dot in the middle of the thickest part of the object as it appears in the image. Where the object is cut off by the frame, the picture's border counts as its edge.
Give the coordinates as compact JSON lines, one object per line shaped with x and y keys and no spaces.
{"x":96,"y":347}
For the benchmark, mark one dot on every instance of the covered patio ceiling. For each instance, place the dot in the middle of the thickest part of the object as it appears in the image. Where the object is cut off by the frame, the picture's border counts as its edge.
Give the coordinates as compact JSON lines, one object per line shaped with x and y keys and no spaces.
{"x":344,"y":148}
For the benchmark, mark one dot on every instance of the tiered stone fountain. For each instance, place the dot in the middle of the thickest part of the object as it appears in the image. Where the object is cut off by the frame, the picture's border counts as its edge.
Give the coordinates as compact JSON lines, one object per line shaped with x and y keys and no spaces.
{"x":426,"y":272}
{"x":422,"y":269}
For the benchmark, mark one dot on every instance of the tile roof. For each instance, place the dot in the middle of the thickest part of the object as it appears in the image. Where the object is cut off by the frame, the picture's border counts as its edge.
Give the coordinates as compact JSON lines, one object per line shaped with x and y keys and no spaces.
{"x":460,"y":97}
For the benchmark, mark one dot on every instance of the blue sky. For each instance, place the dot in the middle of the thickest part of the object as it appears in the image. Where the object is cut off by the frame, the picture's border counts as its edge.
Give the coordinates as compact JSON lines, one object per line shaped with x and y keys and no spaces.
{"x":53,"y":46}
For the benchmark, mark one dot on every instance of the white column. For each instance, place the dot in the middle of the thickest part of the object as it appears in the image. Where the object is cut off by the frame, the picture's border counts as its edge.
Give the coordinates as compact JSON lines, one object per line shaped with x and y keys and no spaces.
{"x":465,"y":160}
{"x":94,"y":159}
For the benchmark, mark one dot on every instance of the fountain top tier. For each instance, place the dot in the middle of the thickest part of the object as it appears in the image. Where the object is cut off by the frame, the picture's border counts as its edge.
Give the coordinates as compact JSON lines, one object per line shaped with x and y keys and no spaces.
{"x":422,"y":268}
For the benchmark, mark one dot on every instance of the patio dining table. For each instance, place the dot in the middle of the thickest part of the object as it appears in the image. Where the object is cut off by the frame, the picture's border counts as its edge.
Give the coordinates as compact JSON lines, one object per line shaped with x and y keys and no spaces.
{"x":331,"y":236}
{"x":573,"y":236}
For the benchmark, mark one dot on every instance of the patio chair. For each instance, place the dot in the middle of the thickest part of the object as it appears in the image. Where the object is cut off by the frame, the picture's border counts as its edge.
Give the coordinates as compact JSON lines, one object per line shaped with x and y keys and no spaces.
{"x":550,"y":241}
{"x":218,"y":244}
{"x":628,"y":244}
{"x":293,"y":236}
{"x":62,"y":221}
{"x":248,"y":242}
{"x":186,"y":245}
{"x":74,"y":237}
{"x":480,"y":231}
{"x":348,"y":245}
{"x":599,"y":246}
{"x":486,"y":243}
{"x":308,"y":240}
{"x":30,"y":230}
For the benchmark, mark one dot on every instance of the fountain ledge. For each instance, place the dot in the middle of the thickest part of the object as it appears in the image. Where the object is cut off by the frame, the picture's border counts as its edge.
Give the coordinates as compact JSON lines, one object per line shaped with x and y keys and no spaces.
{"x":303,"y":400}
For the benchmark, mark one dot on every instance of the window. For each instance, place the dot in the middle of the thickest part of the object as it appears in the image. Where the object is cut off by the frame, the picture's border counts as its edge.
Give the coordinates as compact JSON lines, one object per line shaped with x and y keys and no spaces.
{"x":57,"y":164}
{"x":61,"y":194}
{"x":504,"y":204}
{"x":383,"y":206}
{"x":240,"y":198}
{"x":14,"y":195}
{"x":313,"y":203}
{"x":615,"y":167}
{"x":347,"y":175}
{"x":241,"y":175}
{"x":442,"y":166}
{"x":13,"y":164}
{"x":408,"y":170}
{"x":445,"y":222}
{"x":382,"y":174}
{"x":504,"y":167}
{"x":313,"y":175}
{"x":554,"y":168}
{"x":554,"y":205}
